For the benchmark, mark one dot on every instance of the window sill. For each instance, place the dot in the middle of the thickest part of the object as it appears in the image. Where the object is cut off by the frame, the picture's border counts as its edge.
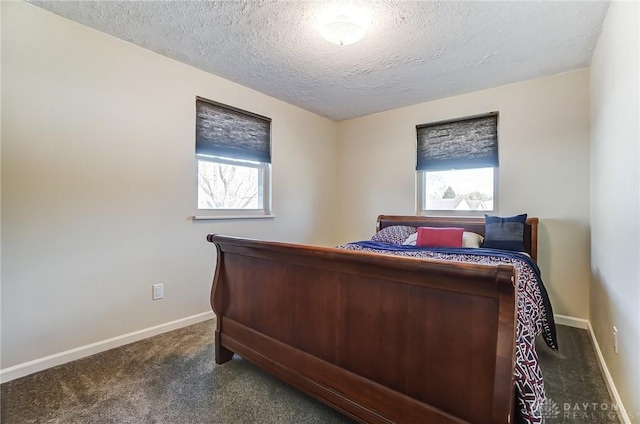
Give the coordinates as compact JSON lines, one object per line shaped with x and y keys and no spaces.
{"x":222,"y":217}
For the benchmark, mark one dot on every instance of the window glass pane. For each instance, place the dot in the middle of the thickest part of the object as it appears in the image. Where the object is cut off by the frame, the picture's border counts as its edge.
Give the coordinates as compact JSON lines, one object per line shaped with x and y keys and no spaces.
{"x":462,"y":189}
{"x":224,"y":186}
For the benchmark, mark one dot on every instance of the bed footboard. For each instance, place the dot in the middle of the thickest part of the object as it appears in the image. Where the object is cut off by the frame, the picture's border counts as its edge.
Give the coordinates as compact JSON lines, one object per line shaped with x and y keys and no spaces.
{"x":381,"y":339}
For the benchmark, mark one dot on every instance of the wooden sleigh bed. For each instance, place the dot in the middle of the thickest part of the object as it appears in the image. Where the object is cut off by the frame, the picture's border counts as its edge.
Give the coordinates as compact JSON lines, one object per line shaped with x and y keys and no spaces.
{"x":383,"y":339}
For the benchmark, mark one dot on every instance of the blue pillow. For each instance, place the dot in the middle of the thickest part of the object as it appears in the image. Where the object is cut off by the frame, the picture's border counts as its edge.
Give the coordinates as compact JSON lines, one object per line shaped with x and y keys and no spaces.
{"x":506,"y":233}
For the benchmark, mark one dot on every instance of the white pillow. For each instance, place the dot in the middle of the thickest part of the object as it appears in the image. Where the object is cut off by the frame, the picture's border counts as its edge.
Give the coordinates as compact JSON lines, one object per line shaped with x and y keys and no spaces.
{"x":411,"y":240}
{"x":468,"y":239}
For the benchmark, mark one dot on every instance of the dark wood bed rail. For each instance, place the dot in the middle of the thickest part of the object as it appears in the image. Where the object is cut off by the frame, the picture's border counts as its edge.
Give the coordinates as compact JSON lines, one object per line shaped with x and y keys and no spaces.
{"x":382,"y":339}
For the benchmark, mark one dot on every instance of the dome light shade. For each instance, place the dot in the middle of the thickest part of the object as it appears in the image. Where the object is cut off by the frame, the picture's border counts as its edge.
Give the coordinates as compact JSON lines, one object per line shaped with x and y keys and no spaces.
{"x":342,"y":31}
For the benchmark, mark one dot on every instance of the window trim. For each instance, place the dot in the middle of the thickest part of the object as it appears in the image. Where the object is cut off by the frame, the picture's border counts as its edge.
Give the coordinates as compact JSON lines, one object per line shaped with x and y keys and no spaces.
{"x":229,"y":135}
{"x":443,"y":159}
{"x":421,"y":200}
{"x":264,"y":182}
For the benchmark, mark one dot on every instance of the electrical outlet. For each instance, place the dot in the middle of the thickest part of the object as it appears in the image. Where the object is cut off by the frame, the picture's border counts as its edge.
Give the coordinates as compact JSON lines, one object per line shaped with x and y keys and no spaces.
{"x":615,"y":339}
{"x":158,"y":291}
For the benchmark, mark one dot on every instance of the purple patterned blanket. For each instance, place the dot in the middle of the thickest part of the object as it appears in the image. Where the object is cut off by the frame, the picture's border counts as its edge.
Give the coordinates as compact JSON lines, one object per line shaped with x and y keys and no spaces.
{"x":534,"y":316}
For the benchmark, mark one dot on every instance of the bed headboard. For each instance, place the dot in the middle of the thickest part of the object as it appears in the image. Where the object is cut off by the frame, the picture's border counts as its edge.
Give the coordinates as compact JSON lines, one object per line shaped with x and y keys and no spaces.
{"x":472,"y":224}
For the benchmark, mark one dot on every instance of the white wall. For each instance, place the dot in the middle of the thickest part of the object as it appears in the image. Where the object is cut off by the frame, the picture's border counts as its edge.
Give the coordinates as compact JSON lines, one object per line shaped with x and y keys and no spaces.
{"x":615,"y":198}
{"x":98,"y":184}
{"x":544,"y":170}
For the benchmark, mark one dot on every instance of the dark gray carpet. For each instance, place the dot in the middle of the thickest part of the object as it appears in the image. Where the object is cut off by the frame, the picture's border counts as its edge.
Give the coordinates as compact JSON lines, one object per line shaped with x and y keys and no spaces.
{"x":172,"y":378}
{"x":576,"y":390}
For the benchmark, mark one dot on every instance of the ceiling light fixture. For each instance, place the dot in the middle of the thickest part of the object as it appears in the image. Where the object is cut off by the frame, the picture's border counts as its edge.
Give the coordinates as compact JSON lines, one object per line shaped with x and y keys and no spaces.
{"x":342,"y":31}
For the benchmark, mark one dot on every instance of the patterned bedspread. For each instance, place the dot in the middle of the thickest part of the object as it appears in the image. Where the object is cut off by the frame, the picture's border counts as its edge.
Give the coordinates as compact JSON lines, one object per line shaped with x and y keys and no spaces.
{"x":534,"y":313}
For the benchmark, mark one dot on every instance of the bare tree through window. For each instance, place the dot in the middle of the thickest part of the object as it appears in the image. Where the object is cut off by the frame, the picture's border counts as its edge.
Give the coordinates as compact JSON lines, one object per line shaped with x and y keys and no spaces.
{"x":224,"y":186}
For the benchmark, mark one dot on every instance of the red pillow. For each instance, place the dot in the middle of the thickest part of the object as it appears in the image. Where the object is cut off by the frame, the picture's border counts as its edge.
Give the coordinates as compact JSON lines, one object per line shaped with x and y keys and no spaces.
{"x":439,"y":237}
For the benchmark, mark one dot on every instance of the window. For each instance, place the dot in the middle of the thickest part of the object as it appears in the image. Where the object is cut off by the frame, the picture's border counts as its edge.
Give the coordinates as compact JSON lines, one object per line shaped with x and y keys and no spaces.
{"x":233,"y":152}
{"x":457,"y":163}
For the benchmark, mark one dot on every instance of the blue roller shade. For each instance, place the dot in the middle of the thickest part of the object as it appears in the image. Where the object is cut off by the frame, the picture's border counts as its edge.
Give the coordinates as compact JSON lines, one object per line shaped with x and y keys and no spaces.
{"x":225,"y":131}
{"x":458,"y":144}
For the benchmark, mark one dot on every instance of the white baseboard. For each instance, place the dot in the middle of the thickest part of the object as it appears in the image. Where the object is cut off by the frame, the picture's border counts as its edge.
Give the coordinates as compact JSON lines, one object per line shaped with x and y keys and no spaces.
{"x":624,"y":417}
{"x":586,"y":325}
{"x":571,"y":321}
{"x":50,"y":361}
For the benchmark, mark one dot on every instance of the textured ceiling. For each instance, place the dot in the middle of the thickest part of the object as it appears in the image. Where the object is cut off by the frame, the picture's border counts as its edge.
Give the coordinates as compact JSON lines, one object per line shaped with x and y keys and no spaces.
{"x":414,"y":51}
